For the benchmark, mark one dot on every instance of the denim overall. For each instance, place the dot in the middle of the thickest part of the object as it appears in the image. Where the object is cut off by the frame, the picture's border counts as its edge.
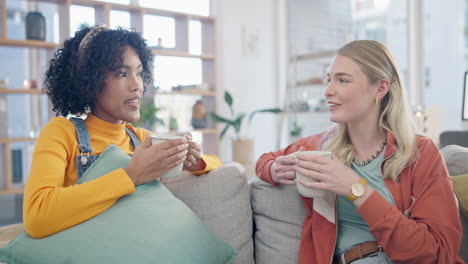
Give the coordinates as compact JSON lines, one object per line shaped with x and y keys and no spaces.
{"x":84,"y":159}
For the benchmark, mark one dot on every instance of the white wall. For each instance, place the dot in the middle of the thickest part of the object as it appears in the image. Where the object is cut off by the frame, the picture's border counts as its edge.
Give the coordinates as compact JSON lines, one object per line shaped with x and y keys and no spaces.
{"x":250,"y":78}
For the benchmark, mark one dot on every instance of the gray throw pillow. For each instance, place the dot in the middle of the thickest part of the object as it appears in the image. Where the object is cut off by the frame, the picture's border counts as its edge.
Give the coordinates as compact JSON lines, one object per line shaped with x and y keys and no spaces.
{"x":278,"y":215}
{"x":221,"y":199}
{"x":455,"y":158}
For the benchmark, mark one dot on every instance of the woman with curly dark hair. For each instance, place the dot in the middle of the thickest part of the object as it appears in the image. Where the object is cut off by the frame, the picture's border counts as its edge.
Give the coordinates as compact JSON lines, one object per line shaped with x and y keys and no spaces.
{"x":99,"y":74}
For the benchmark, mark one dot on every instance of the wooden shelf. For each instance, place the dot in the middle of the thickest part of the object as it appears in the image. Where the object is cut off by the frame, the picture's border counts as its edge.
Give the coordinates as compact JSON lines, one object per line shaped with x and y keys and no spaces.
{"x":176,"y":53}
{"x":28,"y":43}
{"x":22,"y":91}
{"x":11,"y":191}
{"x":311,"y":81}
{"x":207,"y":131}
{"x":303,"y":112}
{"x":17,"y":139}
{"x":188,"y":92}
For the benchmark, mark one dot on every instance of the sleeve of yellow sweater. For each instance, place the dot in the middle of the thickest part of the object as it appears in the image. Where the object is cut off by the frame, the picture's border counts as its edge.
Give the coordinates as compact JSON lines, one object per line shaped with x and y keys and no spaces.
{"x":212,"y":162}
{"x":49,"y":207}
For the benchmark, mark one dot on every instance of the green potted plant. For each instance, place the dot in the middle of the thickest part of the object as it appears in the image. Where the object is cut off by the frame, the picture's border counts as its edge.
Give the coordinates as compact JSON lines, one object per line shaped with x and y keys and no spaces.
{"x":148,"y":116}
{"x":242,"y":149}
{"x":295,"y":131}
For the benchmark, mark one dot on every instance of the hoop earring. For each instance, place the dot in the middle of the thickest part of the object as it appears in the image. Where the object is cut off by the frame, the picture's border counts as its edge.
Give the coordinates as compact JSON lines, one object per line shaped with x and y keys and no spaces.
{"x":377,"y":100}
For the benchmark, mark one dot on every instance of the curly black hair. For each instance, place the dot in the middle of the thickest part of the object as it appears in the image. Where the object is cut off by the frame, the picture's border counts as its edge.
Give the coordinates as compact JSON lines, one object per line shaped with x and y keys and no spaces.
{"x":72,"y":88}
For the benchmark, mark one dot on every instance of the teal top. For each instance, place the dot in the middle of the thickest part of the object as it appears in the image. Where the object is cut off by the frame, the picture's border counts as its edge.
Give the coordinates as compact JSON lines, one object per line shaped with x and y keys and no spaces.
{"x":352,"y":229}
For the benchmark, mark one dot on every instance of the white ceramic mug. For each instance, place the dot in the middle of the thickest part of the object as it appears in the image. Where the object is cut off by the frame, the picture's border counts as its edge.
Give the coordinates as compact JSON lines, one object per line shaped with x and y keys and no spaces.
{"x":304,"y":190}
{"x":158,"y":139}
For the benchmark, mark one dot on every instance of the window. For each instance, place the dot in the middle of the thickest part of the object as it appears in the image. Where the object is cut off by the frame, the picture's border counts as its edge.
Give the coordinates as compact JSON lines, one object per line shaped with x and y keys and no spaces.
{"x":119,"y":19}
{"x":173,"y":71}
{"x":195,"y":38}
{"x":378,"y":20}
{"x":80,"y":15}
{"x":159,"y":31}
{"x":199,"y":7}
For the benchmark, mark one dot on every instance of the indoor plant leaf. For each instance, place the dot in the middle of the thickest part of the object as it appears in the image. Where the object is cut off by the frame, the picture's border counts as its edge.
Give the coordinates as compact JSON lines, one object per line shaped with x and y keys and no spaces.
{"x":268,"y":110}
{"x":236,"y":121}
{"x":224,"y":131}
{"x":228,"y":99}
{"x":220,"y":119}
{"x":237,"y":124}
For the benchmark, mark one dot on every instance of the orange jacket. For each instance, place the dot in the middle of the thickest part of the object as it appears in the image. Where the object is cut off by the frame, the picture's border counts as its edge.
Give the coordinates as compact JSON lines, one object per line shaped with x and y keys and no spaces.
{"x":422,"y":227}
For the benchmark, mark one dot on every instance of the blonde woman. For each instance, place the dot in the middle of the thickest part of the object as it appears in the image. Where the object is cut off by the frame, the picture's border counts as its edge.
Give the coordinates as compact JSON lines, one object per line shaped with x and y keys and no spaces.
{"x":390,"y":196}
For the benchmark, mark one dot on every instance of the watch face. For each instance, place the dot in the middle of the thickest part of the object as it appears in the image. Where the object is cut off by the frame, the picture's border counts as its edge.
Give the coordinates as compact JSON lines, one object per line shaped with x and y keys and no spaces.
{"x":357,"y":189}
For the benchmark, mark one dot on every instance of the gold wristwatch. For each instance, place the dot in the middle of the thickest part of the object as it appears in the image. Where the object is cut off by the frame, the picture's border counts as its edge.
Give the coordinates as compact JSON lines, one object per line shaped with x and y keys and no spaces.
{"x":357,"y":190}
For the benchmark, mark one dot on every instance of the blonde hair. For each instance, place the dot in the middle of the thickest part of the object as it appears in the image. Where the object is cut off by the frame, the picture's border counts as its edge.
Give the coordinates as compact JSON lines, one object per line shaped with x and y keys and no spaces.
{"x":376,"y":62}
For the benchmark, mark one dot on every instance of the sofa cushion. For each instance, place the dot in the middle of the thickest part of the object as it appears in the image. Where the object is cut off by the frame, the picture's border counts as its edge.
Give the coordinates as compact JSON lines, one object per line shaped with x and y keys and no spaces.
{"x":455,"y":158}
{"x":221,"y":199}
{"x":278,"y":216}
{"x":147,"y":226}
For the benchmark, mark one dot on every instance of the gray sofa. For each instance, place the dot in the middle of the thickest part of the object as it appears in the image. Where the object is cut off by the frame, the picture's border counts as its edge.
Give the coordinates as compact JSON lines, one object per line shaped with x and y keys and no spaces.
{"x":267,"y":230}
{"x":233,"y":209}
{"x":261,"y":221}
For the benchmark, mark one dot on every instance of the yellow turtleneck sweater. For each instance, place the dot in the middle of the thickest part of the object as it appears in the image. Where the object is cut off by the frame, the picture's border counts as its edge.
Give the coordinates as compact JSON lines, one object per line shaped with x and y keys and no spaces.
{"x":52,"y":199}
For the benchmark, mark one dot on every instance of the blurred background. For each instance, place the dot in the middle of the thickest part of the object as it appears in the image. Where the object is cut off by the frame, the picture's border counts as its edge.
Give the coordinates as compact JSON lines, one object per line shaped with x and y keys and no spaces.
{"x":265,"y":53}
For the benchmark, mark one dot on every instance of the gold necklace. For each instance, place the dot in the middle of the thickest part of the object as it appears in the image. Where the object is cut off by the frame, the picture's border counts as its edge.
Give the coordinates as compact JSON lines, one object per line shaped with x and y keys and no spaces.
{"x":375,"y":155}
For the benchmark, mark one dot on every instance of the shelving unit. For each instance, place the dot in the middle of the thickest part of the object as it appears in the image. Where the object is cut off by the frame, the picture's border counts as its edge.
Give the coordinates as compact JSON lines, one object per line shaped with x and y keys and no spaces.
{"x":102,"y":15}
{"x":304,"y":94}
{"x":170,"y":52}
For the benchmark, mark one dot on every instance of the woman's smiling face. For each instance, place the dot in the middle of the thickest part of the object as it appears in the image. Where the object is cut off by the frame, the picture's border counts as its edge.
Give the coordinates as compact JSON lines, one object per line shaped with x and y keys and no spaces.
{"x":119,"y":100}
{"x":350,"y":95}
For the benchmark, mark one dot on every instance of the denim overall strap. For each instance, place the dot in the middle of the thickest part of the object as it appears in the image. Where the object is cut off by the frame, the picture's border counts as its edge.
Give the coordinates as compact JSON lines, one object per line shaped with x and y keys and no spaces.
{"x":84,"y":159}
{"x":82,"y":132}
{"x":133,"y":138}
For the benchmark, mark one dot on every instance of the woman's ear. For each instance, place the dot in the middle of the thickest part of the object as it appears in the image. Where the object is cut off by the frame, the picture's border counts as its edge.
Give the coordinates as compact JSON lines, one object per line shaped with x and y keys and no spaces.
{"x":382,"y":88}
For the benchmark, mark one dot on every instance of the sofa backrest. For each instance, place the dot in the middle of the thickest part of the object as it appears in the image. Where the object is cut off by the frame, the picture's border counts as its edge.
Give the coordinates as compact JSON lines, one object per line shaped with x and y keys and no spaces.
{"x":459,"y":138}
